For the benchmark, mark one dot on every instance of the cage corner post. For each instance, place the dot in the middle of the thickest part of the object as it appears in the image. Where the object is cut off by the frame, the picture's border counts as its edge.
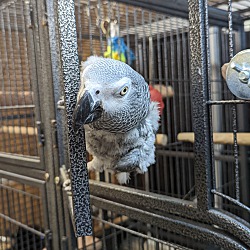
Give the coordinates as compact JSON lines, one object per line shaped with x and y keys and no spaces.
{"x":203,"y":145}
{"x":77,"y":149}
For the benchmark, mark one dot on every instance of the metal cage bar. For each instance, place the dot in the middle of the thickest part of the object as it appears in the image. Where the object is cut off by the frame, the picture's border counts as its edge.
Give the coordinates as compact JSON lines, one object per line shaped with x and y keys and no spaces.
{"x":203,"y":145}
{"x":77,"y":151}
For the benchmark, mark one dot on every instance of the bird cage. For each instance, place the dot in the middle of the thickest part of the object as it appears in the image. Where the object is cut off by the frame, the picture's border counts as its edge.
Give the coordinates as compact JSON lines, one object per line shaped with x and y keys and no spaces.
{"x":196,"y":195}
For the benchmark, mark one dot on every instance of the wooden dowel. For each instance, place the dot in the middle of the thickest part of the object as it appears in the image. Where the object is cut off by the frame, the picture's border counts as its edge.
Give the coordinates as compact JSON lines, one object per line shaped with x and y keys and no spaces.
{"x":161,"y":139}
{"x":218,"y":138}
{"x":165,"y":91}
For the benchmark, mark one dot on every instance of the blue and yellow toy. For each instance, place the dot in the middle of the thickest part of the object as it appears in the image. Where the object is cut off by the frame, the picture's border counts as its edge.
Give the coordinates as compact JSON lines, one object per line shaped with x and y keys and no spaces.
{"x":118,"y":50}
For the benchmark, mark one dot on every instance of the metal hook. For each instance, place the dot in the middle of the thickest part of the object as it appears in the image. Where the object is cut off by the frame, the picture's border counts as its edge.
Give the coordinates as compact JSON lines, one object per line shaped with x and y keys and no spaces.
{"x":102,"y":25}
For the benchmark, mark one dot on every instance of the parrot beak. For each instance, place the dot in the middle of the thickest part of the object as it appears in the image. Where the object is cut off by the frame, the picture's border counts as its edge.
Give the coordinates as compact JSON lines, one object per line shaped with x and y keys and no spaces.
{"x":87,"y":110}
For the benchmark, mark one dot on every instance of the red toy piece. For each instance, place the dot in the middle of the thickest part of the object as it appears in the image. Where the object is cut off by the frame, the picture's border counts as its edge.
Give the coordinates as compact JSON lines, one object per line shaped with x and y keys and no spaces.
{"x":156,"y":96}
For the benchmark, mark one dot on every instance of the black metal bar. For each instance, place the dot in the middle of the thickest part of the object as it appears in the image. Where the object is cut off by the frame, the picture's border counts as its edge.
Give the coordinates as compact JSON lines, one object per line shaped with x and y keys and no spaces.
{"x":26,"y":237}
{"x":72,"y":241}
{"x":3,"y":206}
{"x":174,"y":224}
{"x":57,"y":79}
{"x":166,"y":76}
{"x":77,"y":151}
{"x":79,"y":34}
{"x":144,"y":48}
{"x":222,"y":102}
{"x":236,"y":202}
{"x":233,"y":107}
{"x":90,"y":25}
{"x":100,"y":16}
{"x":125,"y":229}
{"x":32,"y":223}
{"x":4,"y":36}
{"x":179,"y":8}
{"x":170,"y":205}
{"x":60,"y":124}
{"x":32,"y":162}
{"x":243,"y":125}
{"x":136,"y":43}
{"x":9,"y":219}
{"x":18,"y":191}
{"x":18,"y":67}
{"x":33,"y":173}
{"x":20,"y":217}
{"x":203,"y":145}
{"x":30,"y":47}
{"x":22,"y":68}
{"x":42,"y":223}
{"x":181,"y":111}
{"x":8,"y":211}
{"x":142,"y":198}
{"x":22,"y":179}
{"x":3,"y":140}
{"x":127,"y":36}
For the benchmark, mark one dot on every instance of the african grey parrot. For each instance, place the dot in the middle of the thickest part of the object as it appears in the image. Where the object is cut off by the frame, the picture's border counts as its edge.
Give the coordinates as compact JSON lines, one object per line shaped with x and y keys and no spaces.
{"x":120,"y":121}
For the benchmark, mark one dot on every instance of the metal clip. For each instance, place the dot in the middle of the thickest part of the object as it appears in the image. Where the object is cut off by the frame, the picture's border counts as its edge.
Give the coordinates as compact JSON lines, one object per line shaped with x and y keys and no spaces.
{"x":41,"y":137}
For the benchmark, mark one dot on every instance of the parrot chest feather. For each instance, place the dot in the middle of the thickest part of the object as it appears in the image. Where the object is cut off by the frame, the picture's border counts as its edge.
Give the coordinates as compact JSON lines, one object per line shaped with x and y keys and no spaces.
{"x":112,"y":148}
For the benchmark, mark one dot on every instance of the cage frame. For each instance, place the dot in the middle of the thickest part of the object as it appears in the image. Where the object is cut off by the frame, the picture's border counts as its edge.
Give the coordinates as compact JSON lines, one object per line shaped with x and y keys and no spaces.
{"x":102,"y":194}
{"x":184,"y":217}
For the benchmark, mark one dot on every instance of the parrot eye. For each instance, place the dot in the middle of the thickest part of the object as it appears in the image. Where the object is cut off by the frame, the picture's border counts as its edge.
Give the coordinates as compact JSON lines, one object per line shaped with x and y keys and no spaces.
{"x":124,"y":91}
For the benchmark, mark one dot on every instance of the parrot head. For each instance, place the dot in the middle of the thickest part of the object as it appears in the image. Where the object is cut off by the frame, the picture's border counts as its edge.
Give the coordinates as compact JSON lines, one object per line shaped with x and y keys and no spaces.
{"x":112,"y":97}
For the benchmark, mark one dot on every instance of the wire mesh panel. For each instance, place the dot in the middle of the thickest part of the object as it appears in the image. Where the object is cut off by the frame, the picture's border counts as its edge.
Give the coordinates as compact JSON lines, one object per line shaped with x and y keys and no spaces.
{"x":157,"y":46}
{"x":116,"y":231}
{"x":28,"y":165}
{"x":22,"y":223}
{"x":17,"y":120}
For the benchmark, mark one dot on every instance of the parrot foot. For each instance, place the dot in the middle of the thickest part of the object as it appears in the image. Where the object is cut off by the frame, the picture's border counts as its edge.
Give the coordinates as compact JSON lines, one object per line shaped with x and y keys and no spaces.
{"x":129,"y":162}
{"x":122,"y":177}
